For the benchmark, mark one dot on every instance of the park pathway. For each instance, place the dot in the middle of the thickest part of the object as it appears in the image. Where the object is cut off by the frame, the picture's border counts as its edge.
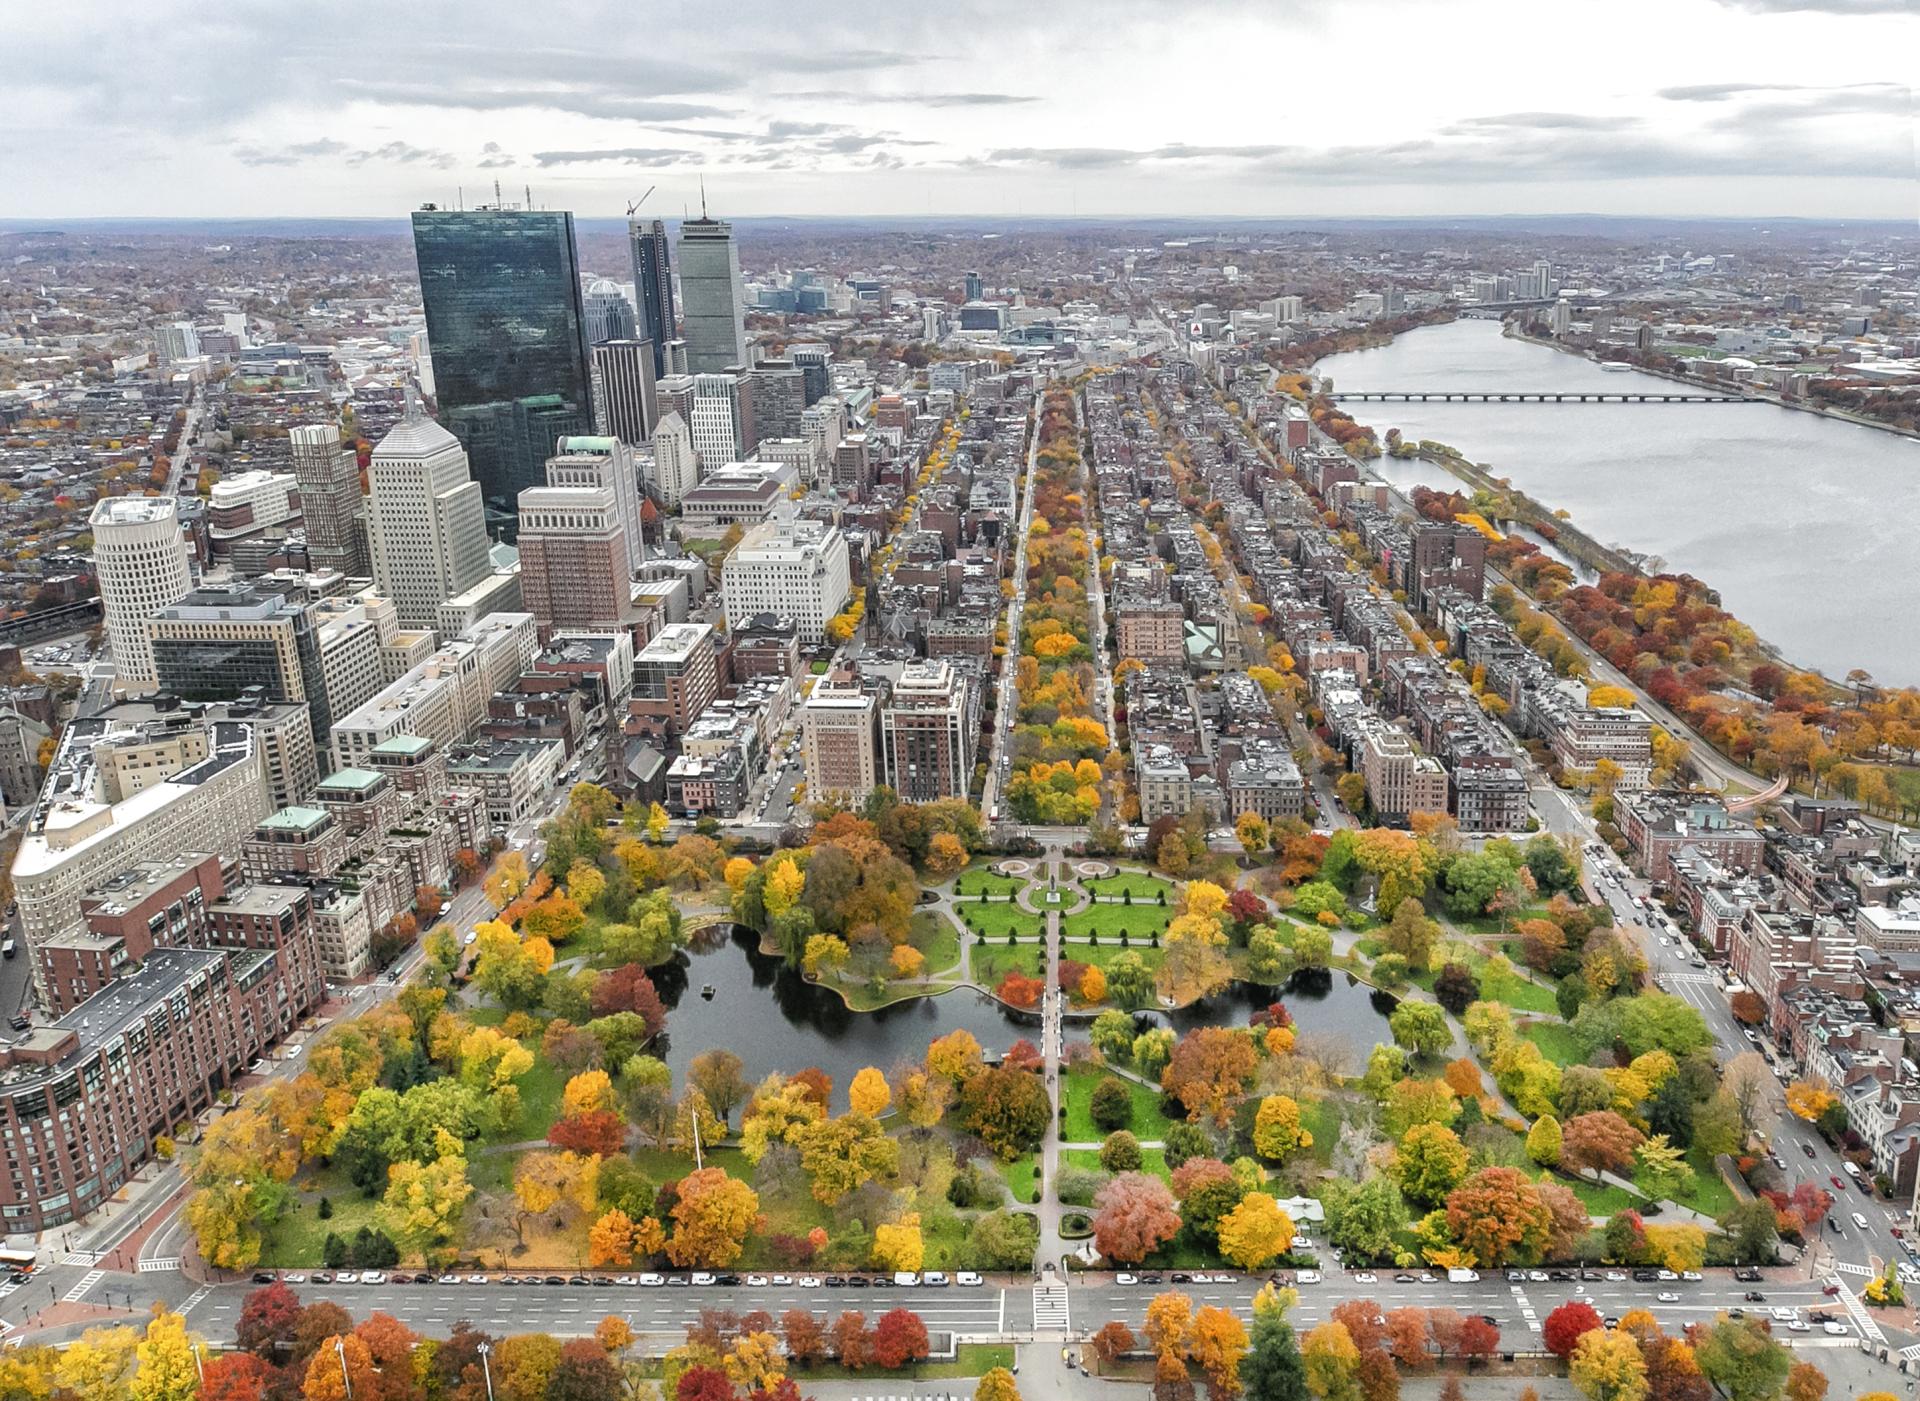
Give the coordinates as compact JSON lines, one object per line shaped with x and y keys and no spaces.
{"x":1052,"y":1050}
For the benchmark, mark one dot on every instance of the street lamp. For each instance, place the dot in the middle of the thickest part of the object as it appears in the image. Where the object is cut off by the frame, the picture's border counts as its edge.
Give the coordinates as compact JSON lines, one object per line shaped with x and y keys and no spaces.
{"x":199,"y":1364}
{"x":485,"y":1369}
{"x":340,"y":1346}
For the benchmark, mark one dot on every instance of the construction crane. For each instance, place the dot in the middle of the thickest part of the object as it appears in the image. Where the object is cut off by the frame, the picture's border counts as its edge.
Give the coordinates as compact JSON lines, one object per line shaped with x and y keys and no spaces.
{"x":642,"y":200}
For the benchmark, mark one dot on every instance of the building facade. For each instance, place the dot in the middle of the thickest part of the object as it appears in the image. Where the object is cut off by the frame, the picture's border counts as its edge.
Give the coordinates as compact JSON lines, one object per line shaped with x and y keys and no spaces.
{"x":142,"y":563}
{"x":507,"y":328}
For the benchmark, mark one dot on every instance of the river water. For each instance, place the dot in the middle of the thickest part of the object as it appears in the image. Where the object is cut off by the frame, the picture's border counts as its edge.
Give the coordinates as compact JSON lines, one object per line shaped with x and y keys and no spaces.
{"x":1806,"y":525}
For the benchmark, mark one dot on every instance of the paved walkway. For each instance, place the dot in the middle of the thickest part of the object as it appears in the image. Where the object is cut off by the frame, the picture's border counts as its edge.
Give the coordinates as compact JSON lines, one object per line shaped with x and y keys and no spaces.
{"x":1052,"y":1049}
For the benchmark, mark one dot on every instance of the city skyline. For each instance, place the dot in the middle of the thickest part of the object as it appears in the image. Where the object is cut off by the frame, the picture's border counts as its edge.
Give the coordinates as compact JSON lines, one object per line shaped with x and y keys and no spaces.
{"x":1703,"y":107}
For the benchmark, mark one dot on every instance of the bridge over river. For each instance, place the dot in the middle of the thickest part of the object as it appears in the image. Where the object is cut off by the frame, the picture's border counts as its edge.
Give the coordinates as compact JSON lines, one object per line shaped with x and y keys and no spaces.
{"x":1474,"y":396}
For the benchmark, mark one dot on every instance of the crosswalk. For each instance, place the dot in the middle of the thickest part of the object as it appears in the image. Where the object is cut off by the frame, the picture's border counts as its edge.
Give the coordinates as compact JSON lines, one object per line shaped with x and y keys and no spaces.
{"x":1862,"y":1319}
{"x":1525,"y":1305}
{"x":1848,"y":1267}
{"x":87,"y":1281}
{"x":9,"y":1288}
{"x":194,"y":1300}
{"x":1050,"y":1308}
{"x":159,"y":1266}
{"x":86,"y":1258}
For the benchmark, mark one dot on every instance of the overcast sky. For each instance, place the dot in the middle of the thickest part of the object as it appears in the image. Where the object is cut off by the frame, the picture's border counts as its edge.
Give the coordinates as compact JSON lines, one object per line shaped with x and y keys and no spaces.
{"x":1020,"y":107}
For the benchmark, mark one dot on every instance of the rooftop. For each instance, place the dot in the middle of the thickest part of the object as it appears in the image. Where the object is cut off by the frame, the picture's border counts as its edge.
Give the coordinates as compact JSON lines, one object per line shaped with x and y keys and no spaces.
{"x":294,"y":819}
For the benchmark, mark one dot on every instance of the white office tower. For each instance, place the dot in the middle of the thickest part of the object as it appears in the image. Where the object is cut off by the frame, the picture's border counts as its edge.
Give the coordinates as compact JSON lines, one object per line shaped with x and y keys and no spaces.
{"x":607,"y":463}
{"x":427,"y":525}
{"x":792,"y":567}
{"x":330,"y":499}
{"x":716,"y":419}
{"x":143,"y":565}
{"x":676,"y":467}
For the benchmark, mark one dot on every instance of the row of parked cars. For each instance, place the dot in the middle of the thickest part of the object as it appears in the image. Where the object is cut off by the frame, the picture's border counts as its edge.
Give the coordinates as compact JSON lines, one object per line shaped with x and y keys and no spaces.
{"x":932,"y":1279}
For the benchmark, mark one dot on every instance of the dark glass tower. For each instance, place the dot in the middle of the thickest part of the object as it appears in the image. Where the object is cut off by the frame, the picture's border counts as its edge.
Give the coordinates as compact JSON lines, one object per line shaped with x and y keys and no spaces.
{"x":507,"y":331}
{"x":652,"y":286}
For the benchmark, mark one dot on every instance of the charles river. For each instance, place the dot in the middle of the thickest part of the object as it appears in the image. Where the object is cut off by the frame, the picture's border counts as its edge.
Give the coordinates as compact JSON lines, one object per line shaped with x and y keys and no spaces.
{"x":1808,"y":526}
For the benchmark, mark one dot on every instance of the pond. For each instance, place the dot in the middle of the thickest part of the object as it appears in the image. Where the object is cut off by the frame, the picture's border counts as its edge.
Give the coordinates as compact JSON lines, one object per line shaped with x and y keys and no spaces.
{"x":1325,"y":1004}
{"x":773,"y":1019}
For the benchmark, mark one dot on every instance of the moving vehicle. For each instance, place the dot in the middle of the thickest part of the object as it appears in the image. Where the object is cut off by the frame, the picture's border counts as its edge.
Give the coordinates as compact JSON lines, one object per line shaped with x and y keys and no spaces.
{"x":1859,"y":1221}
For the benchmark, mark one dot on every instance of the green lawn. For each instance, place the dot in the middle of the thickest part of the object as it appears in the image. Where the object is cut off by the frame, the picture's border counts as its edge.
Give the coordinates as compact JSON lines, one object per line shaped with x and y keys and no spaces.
{"x":1138,"y":922}
{"x":982,"y":878}
{"x":1153,"y":1161}
{"x":1601,"y":1199}
{"x":996,"y":921}
{"x":1145,"y":887}
{"x":1104,"y":953}
{"x":1556,"y":1041}
{"x":1147,"y":1120}
{"x":991,"y":962}
{"x":540,"y":1091}
{"x":1020,"y":1176}
{"x":1518,"y":991}
{"x":1710,"y":1195}
{"x":295,"y":1240}
{"x":934,"y":935}
{"x":1321,"y":1118}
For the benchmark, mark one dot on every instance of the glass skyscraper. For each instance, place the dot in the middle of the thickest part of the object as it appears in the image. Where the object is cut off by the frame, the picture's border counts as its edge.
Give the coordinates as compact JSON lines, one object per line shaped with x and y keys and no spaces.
{"x":507,"y":331}
{"x":712,"y":300}
{"x":652,"y":286}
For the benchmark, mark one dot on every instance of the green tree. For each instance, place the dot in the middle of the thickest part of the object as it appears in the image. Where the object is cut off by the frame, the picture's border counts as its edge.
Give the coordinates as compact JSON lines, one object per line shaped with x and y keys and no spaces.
{"x":1430,"y":1162}
{"x":1741,"y":1358}
{"x":1421,"y":1027}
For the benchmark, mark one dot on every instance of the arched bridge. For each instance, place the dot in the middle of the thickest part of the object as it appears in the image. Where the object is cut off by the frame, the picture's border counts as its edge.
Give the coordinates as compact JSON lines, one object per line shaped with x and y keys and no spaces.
{"x":1470,"y":396}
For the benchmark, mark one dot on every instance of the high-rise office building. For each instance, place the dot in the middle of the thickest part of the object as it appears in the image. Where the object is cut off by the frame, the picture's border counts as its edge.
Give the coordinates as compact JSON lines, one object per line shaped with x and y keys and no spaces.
{"x":653,"y":287}
{"x":722,"y":419}
{"x":609,"y":313}
{"x":508,"y":336}
{"x":779,"y":398}
{"x":220,"y":640}
{"x":624,"y":403}
{"x":676,"y":467}
{"x":140,"y":558}
{"x":603,"y":462}
{"x":427,"y":525}
{"x":975,"y":289}
{"x":573,"y":559}
{"x":814,"y":363}
{"x":331,"y":502}
{"x":712,"y":299}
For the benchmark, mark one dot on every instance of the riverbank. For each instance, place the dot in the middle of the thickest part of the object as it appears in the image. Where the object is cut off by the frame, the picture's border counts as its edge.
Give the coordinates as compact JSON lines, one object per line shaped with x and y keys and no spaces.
{"x":1758,"y":393}
{"x":1800,"y":526}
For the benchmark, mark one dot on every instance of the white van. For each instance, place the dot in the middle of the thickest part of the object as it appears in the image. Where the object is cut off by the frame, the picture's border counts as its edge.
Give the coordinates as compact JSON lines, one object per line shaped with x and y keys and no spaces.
{"x":1859,"y":1220}
{"x":1851,"y":1170}
{"x":1463,"y":1276}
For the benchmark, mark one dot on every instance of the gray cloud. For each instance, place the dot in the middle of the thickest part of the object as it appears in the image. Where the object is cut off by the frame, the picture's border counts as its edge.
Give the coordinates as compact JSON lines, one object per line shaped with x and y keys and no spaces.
{"x":913,"y":99}
{"x":394,"y":152}
{"x":404,"y":153}
{"x":1721,"y":92}
{"x":581,"y":100}
{"x":1757,"y":144}
{"x":1543,"y":121}
{"x":625,"y":155}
